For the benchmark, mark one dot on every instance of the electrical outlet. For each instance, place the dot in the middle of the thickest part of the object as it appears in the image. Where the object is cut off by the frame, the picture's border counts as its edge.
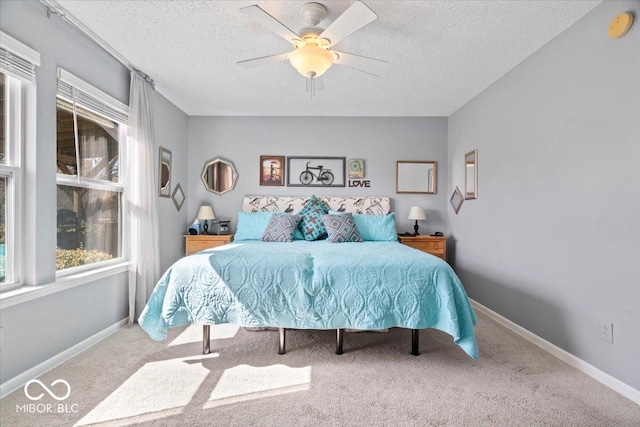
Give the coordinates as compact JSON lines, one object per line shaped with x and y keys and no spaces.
{"x":606,"y":332}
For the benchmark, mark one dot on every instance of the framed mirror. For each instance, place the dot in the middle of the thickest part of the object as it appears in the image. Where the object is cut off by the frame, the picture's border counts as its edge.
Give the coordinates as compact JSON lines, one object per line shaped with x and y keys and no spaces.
{"x":164,"y":168}
{"x":219,"y":176}
{"x":471,"y":175}
{"x":416,"y":177}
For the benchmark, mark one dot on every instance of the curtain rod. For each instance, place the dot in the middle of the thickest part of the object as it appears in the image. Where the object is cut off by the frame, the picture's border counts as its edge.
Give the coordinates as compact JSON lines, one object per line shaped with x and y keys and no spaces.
{"x":54,"y":8}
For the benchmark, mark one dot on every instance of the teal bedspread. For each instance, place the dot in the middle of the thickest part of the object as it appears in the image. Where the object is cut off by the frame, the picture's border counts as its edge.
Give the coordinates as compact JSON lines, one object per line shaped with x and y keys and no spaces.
{"x":313,"y":285}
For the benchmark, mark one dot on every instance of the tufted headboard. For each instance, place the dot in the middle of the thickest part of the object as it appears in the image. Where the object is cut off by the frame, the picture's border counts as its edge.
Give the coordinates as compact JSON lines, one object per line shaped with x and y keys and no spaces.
{"x":292,"y":204}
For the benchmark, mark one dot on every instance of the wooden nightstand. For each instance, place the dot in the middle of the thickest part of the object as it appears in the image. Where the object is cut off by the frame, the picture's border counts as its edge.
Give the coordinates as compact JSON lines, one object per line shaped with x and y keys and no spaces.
{"x":199,"y":242}
{"x":431,"y":244}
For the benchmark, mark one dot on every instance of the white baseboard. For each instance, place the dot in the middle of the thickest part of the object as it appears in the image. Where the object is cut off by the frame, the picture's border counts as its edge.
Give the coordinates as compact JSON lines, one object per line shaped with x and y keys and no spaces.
{"x":21,"y":379}
{"x":595,"y":373}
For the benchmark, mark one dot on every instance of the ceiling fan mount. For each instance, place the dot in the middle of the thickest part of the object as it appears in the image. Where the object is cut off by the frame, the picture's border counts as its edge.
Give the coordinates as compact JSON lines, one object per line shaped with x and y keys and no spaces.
{"x":313,"y":52}
{"x":313,"y":13}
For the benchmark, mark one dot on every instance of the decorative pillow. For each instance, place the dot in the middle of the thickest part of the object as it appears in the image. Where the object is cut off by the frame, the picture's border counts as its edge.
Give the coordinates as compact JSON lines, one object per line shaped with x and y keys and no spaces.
{"x":380,"y":228}
{"x":251,"y":225}
{"x":311,"y":219}
{"x":280,"y":228}
{"x":297,"y":234}
{"x":341,"y":228}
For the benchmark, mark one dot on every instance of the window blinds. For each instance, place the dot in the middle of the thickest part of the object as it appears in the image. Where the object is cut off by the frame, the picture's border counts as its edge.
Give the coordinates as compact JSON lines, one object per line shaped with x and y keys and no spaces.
{"x":74,"y":89}
{"x":17,"y":59}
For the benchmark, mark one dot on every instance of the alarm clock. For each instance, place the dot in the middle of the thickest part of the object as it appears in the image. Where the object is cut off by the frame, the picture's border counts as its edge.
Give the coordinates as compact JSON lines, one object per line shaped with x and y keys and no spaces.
{"x":221,"y":227}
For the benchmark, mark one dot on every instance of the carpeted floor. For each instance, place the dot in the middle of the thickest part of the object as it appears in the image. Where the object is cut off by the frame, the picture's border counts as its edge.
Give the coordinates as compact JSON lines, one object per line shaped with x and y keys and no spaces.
{"x":130,"y":379}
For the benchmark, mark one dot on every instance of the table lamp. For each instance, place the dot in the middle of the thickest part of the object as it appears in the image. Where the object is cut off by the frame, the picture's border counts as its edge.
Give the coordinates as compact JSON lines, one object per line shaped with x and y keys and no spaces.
{"x":205,"y":213}
{"x":417,"y":213}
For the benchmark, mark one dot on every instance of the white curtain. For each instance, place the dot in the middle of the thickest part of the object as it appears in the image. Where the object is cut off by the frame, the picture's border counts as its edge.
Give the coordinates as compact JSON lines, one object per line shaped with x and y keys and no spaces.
{"x":142,"y":228}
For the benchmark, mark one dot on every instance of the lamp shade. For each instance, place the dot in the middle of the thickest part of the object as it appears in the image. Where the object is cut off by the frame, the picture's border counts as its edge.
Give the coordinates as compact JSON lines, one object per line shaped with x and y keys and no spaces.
{"x":417,"y":213}
{"x":206,"y":212}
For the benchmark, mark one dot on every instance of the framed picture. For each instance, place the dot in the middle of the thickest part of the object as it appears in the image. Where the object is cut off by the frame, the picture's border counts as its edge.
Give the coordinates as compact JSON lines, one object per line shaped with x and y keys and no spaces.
{"x":271,"y":170}
{"x":356,"y":168}
{"x":316,"y":171}
{"x":178,"y":197}
{"x":456,"y":200}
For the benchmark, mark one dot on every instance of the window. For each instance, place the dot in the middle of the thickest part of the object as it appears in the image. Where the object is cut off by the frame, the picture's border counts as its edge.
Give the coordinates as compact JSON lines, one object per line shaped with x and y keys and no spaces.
{"x":17,"y":72}
{"x":4,"y":176}
{"x":91,"y":127}
{"x":10,"y":178}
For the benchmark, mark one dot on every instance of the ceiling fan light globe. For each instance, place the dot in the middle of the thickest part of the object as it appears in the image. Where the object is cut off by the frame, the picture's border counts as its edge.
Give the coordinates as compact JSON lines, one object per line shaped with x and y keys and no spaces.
{"x":311,"y":60}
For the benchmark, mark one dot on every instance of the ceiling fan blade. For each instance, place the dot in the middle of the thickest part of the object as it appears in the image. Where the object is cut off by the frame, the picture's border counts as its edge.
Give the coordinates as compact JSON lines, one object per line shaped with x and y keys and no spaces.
{"x":257,"y":14}
{"x":354,"y":18}
{"x":318,"y":84}
{"x":362,"y":63}
{"x":250,"y":63}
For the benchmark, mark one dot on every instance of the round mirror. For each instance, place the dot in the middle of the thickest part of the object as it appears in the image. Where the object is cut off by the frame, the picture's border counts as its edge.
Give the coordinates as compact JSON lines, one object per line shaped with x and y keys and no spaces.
{"x":219,"y":176}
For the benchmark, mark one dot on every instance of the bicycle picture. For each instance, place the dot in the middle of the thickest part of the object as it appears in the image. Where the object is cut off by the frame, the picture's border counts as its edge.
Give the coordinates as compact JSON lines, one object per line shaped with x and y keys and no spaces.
{"x":324,"y":175}
{"x":273,"y":176}
{"x":316,"y":171}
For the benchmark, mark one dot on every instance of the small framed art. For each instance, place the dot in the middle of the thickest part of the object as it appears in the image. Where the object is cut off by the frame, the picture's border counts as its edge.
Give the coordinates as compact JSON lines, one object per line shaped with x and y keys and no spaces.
{"x":271,"y":170}
{"x":456,"y":200}
{"x":356,"y":168}
{"x":178,"y":197}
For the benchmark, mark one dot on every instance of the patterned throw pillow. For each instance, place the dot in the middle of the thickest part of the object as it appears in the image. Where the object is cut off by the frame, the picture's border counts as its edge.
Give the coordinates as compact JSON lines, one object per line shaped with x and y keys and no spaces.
{"x":379,"y":228}
{"x":341,"y":228}
{"x":280,"y":228}
{"x":311,"y":219}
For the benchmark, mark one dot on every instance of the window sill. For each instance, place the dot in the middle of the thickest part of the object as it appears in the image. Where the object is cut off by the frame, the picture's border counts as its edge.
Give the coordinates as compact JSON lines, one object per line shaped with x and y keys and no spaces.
{"x":29,"y":293}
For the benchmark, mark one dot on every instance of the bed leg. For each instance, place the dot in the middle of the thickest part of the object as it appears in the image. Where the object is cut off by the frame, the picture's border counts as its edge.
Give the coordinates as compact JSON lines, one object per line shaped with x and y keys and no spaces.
{"x":283,"y":341}
{"x":339,"y":337}
{"x":206,"y":342}
{"x":415,"y":340}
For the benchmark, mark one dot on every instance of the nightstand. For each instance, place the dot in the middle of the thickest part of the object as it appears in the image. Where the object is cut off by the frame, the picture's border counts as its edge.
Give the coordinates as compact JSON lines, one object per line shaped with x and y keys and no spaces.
{"x":199,"y":242}
{"x":431,"y":244}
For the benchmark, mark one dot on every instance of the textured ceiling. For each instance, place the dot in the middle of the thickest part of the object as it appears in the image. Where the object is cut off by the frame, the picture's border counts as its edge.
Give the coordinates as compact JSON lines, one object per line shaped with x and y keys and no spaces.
{"x":441,"y":53}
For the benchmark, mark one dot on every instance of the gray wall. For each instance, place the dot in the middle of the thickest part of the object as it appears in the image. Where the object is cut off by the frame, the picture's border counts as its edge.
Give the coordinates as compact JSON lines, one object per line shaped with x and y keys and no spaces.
{"x":170,"y":132}
{"x":379,"y":141}
{"x":552,"y":242}
{"x":39,"y":329}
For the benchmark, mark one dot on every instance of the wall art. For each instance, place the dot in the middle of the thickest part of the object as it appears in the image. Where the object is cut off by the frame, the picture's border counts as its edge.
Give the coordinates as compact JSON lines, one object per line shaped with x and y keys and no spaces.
{"x":456,"y":200}
{"x":271,"y":170}
{"x":316,"y":171}
{"x":356,"y":168}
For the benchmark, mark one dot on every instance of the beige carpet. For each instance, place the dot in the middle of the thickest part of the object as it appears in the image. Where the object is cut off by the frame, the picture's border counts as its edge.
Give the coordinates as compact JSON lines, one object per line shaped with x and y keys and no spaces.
{"x":130,"y":379}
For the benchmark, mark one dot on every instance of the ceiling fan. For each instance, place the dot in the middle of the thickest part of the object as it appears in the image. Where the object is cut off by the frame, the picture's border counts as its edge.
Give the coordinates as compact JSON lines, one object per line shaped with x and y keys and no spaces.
{"x":313,"y":52}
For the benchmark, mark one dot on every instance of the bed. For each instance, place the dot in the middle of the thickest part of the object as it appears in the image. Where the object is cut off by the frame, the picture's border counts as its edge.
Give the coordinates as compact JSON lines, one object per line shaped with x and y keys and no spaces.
{"x":313,"y":284}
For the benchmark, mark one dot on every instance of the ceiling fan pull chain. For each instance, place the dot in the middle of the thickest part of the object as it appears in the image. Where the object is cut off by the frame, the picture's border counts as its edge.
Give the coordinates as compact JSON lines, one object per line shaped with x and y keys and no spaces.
{"x":312,"y":84}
